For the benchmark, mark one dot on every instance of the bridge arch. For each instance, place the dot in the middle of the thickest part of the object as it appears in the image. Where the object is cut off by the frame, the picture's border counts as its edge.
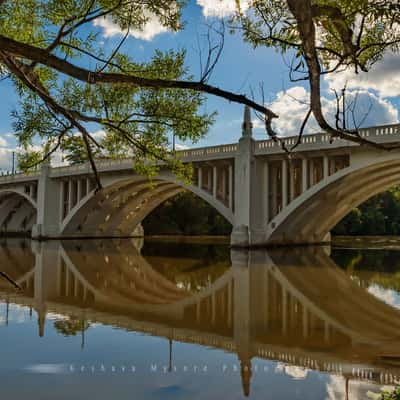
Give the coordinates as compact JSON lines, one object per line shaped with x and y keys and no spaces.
{"x":310,"y":217}
{"x":124,"y":202}
{"x":18,"y":193}
{"x":18,"y":211}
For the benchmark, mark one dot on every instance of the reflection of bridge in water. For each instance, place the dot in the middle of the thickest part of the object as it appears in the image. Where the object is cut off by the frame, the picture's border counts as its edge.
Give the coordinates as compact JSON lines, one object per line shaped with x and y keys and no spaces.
{"x":294,"y":307}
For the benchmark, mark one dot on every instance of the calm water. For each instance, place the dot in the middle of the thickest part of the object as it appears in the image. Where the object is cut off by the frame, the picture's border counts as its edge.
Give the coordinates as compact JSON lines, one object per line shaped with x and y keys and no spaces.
{"x":123,"y":320}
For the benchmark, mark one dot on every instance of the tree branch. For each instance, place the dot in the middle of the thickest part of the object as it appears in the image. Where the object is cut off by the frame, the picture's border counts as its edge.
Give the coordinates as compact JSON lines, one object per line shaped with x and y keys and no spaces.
{"x":43,"y":57}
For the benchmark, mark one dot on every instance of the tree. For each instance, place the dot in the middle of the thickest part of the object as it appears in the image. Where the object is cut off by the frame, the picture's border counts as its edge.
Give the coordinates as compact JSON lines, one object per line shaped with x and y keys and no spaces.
{"x":47,"y":45}
{"x":186,"y":214}
{"x":380,"y":215}
{"x":70,"y":326}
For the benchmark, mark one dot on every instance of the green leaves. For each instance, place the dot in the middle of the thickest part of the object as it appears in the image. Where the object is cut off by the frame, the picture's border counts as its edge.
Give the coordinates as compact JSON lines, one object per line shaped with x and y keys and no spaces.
{"x":137,"y":122}
{"x":355,"y":33}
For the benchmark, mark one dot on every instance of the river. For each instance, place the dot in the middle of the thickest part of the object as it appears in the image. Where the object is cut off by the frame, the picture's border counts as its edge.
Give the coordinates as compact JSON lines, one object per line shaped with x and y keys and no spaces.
{"x":127,"y":319}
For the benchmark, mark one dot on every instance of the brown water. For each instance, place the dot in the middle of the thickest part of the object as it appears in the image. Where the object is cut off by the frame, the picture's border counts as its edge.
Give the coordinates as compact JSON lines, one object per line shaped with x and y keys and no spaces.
{"x":123,"y":320}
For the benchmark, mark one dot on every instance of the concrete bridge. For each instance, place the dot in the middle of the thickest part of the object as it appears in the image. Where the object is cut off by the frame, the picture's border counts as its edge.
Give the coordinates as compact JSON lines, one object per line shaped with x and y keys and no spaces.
{"x":267,"y":196}
{"x":291,"y":307}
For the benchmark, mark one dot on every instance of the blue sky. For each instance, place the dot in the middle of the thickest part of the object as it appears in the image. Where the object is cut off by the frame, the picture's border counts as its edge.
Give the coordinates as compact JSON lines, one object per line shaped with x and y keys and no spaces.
{"x":240,"y":69}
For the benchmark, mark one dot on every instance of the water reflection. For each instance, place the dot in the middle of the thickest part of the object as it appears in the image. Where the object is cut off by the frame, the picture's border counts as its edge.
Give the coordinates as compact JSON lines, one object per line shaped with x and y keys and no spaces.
{"x":297,"y":308}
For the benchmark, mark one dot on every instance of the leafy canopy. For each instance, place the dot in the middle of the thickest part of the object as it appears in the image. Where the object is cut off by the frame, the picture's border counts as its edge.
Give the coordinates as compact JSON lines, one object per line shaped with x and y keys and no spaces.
{"x":138,"y":122}
{"x":68,"y":83}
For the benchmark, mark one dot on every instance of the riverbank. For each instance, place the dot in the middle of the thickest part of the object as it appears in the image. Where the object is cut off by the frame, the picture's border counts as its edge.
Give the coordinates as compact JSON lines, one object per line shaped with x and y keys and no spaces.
{"x":203,"y":239}
{"x":370,"y":242}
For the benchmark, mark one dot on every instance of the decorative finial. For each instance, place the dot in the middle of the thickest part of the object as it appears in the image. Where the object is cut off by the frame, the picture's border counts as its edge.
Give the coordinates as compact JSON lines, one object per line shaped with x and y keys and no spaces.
{"x":247,"y":126}
{"x":246,"y":373}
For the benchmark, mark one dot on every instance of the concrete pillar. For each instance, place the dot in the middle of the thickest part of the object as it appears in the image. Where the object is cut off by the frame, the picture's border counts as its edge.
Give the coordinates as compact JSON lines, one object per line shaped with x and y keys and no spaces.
{"x":62,"y":199}
{"x":311,"y":172}
{"x":230,"y":187}
{"x":213,"y":307}
{"x":291,"y":180}
{"x":59,"y":277}
{"x":274,"y":192}
{"x":79,"y":190}
{"x":49,"y":210}
{"x":326,"y":332}
{"x":198,"y":309}
{"x":214,"y":181}
{"x":87,"y":185}
{"x":284,"y":311}
{"x":67,"y":279}
{"x":304,"y":175}
{"x":223,"y":192}
{"x":325,"y":166}
{"x":199,"y":177}
{"x":70,"y":195}
{"x":242,"y":314}
{"x":265,"y":297}
{"x":249,"y":224}
{"x":209,"y":179}
{"x":47,"y":256}
{"x":284,"y":184}
{"x":305,"y":322}
{"x":229,"y":305}
{"x":266,"y":190}
{"x":76,"y":286}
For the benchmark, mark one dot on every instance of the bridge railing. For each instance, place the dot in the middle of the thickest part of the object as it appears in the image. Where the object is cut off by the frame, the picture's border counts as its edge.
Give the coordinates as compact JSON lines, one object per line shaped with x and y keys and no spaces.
{"x":383,"y":134}
{"x":207,"y":152}
{"x":18,"y":176}
{"x":379,"y":134}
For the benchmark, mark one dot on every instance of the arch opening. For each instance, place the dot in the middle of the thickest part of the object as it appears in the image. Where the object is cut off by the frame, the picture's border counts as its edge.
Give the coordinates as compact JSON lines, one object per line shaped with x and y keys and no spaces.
{"x":186,"y":214}
{"x":119,"y":208}
{"x":313,"y":219}
{"x":378,"y":215}
{"x":17,"y":214}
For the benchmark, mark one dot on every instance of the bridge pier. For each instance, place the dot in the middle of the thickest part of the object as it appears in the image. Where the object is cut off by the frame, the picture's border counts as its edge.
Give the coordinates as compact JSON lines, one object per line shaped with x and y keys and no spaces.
{"x":49,"y":206}
{"x":250,"y":191}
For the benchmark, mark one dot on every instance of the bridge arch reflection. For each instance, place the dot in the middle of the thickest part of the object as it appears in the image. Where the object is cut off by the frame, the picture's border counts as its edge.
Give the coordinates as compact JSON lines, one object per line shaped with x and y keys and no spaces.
{"x":297,"y":307}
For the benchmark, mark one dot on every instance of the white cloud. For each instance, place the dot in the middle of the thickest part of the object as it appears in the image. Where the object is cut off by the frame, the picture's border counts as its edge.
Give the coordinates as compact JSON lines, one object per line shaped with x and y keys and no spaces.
{"x":99,"y":135}
{"x":292,"y":106}
{"x":152,"y":28}
{"x":297,"y":373}
{"x":221,"y":8}
{"x":181,"y":147}
{"x":384,"y":77}
{"x":3,"y":142}
{"x":5,"y":159}
{"x":388,"y":296}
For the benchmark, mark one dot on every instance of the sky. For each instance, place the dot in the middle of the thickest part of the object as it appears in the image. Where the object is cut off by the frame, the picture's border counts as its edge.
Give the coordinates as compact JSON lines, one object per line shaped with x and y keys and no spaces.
{"x":241,"y":69}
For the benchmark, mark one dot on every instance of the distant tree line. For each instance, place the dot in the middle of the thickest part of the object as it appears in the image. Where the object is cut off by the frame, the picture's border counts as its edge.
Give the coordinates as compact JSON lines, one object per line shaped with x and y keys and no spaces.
{"x":187,"y":214}
{"x":379,"y":215}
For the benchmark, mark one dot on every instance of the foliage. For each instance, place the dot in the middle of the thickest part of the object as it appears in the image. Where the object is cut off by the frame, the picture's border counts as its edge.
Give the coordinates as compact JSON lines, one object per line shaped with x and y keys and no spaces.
{"x":186,"y":214}
{"x":68,"y":82}
{"x":354,"y":33}
{"x":379,"y":215}
{"x":391,"y":395}
{"x":70,"y":326}
{"x":137,"y":121}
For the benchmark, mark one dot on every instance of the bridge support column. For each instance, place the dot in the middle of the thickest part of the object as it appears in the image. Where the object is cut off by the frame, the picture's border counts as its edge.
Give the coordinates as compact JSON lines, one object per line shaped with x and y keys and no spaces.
{"x":48,"y":207}
{"x":250,"y":187}
{"x":325,"y":166}
{"x":242,"y":314}
{"x":45,"y":278}
{"x":304,"y":175}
